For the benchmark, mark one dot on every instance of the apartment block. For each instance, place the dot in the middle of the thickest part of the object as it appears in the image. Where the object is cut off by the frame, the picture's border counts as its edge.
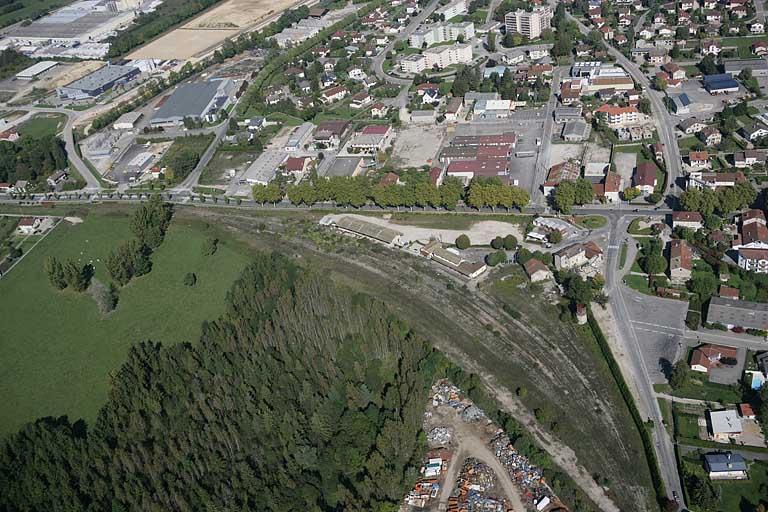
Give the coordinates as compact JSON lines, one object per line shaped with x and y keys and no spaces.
{"x":529,"y":24}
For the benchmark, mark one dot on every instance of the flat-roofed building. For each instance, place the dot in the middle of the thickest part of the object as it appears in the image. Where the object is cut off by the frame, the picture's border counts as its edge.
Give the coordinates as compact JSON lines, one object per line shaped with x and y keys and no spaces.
{"x":94,"y":84}
{"x":724,"y":425}
{"x":264,"y":168}
{"x":452,"y":259}
{"x":738,"y":313}
{"x":369,"y":230}
{"x":529,"y":23}
{"x":191,"y":101}
{"x":36,"y":70}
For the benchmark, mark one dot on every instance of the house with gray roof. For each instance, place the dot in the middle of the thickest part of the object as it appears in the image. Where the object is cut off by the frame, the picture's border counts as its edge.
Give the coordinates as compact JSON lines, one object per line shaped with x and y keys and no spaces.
{"x":725,"y":466}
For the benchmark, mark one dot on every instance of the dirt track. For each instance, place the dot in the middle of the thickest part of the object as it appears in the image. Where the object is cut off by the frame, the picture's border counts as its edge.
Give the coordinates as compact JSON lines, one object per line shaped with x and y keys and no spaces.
{"x":467,"y":443}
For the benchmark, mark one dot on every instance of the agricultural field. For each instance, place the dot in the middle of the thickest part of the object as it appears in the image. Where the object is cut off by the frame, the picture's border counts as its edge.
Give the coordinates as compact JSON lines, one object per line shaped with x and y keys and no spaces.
{"x":29,"y":9}
{"x":226,"y":20}
{"x":58,"y":349}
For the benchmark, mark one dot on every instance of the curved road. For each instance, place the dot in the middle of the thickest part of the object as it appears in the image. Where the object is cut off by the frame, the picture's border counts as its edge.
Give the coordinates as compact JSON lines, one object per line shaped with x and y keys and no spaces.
{"x":661,"y":117}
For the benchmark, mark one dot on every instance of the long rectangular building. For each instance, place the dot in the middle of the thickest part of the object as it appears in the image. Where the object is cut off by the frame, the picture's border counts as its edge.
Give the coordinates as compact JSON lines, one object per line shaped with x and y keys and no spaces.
{"x":503,"y":139}
{"x":191,"y":101}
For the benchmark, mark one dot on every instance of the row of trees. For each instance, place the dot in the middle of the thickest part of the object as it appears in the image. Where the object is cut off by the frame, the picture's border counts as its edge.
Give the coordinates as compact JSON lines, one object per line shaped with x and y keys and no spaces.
{"x":360,"y":190}
{"x":200,"y":426}
{"x":722,"y":201}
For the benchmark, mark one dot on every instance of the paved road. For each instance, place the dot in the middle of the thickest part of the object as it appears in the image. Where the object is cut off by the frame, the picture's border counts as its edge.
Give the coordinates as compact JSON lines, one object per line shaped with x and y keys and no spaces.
{"x":92,"y":184}
{"x":378,"y":60}
{"x":543,"y":156}
{"x":646,"y":399}
{"x":665,"y":124}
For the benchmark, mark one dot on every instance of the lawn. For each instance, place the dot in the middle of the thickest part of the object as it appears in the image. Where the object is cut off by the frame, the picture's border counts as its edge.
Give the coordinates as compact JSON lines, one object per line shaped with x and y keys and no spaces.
{"x":634,"y":228}
{"x":42,"y":125}
{"x":686,"y":143}
{"x":638,"y":283}
{"x":686,"y":425}
{"x":700,"y":388}
{"x":58,"y":350}
{"x":592,"y":221}
{"x":623,"y":256}
{"x":735,"y":494}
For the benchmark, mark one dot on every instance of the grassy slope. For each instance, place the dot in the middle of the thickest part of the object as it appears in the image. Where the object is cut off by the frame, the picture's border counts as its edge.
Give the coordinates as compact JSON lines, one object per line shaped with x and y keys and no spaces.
{"x":58,"y":351}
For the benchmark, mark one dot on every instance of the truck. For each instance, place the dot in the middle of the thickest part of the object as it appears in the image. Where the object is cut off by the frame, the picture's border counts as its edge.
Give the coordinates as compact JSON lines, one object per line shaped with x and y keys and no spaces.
{"x":525,"y":154}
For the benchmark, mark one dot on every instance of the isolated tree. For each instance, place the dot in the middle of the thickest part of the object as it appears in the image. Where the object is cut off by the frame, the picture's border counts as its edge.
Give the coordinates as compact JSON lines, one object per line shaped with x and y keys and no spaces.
{"x":703,"y":284}
{"x":495,"y":258}
{"x":510,"y":242}
{"x":565,"y":196}
{"x":555,"y":236}
{"x":631,"y":193}
{"x":150,"y":221}
{"x":680,"y":375}
{"x":462,"y":242}
{"x":708,"y":65}
{"x":497,"y":243}
{"x":491,"y":41}
{"x":55,"y":272}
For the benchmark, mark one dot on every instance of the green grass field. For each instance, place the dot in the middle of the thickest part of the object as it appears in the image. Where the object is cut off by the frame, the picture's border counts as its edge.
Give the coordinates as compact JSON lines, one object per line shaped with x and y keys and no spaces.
{"x":42,"y":125}
{"x":701,"y":389}
{"x":58,"y":350}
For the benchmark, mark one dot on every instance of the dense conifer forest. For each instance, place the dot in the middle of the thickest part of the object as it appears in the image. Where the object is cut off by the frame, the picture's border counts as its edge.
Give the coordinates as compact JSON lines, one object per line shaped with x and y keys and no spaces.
{"x":302,"y":396}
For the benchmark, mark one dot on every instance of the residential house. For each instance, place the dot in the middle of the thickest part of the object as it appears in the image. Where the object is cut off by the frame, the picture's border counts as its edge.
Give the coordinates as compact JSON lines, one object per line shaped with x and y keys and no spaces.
{"x":708,"y":356}
{"x":724,"y":425}
{"x":537,"y":271}
{"x":360,"y":100}
{"x":760,"y":48}
{"x":674,"y":71}
{"x":28,"y":225}
{"x":691,"y":125}
{"x":714,"y":180}
{"x":578,"y":255}
{"x":644,"y":178}
{"x":711,"y":136}
{"x":711,"y":47}
{"x":334,"y":94}
{"x":754,"y":131}
{"x":757,"y":28}
{"x":748,"y":158}
{"x":699,"y":159}
{"x":725,"y":466}
{"x":680,"y":261}
{"x":690,"y":220}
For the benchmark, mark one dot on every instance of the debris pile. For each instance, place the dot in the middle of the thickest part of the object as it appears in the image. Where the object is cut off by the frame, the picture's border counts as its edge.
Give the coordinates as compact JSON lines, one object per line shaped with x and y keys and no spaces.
{"x":528,"y":477}
{"x":439,"y":436}
{"x":475,"y":490}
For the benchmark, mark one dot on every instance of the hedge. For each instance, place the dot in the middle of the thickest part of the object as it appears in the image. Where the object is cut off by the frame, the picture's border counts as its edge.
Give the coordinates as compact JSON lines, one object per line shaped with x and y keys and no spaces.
{"x":645,"y":436}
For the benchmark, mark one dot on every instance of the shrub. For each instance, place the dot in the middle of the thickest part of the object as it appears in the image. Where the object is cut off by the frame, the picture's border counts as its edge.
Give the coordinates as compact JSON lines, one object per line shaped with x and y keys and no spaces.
{"x":210,"y":246}
{"x":462,"y":242}
{"x":190,"y":279}
{"x":497,"y":243}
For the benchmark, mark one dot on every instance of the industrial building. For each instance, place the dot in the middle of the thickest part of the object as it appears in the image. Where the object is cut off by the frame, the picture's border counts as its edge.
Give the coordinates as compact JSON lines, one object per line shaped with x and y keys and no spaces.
{"x":36,"y":70}
{"x":720,"y":84}
{"x":758,"y":67}
{"x":192,"y":101}
{"x":98,"y":82}
{"x":737,"y":313}
{"x":263,"y":170}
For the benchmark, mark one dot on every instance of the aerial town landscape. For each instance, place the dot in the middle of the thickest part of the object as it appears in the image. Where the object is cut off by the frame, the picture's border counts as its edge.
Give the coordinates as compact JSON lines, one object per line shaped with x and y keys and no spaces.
{"x":444,"y":255}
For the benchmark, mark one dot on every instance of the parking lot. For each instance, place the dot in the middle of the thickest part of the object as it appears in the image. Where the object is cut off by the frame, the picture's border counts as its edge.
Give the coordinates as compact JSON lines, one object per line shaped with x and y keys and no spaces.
{"x":659,"y":326}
